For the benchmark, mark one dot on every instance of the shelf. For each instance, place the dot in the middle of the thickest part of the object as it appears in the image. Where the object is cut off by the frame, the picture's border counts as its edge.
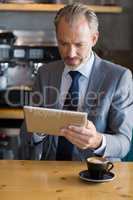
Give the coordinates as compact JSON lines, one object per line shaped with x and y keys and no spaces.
{"x":54,"y":7}
{"x":11,"y":113}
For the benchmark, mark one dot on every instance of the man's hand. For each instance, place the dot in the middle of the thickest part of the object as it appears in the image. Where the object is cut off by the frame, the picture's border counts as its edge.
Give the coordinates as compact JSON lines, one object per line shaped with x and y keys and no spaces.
{"x":83,"y":137}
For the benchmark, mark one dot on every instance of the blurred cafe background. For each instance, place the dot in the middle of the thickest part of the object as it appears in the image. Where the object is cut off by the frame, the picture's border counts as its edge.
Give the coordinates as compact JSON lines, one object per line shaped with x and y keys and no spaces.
{"x":27,"y":41}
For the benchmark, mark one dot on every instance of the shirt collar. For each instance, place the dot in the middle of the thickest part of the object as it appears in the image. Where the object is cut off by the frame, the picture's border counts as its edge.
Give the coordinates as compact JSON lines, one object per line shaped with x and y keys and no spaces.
{"x":84,"y":68}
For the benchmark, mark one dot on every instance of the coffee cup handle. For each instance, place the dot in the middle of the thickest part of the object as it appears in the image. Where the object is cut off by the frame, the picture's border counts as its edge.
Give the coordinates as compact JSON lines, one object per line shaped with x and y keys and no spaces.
{"x":109,"y":166}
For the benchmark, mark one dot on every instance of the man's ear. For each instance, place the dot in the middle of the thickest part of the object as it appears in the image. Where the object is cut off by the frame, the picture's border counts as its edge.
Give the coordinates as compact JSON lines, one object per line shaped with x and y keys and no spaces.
{"x":95,"y":37}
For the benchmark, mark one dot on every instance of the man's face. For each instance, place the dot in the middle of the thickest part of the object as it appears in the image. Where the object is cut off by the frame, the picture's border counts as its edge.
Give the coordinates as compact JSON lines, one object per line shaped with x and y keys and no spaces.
{"x":75,"y":41}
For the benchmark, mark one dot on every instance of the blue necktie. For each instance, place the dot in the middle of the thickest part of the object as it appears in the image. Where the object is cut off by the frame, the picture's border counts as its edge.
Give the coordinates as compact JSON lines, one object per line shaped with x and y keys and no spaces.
{"x":65,"y":148}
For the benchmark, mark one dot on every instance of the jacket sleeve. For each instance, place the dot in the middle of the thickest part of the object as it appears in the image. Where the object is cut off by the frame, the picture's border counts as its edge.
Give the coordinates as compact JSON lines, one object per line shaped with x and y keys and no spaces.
{"x":28,"y":150}
{"x":120,"y":118}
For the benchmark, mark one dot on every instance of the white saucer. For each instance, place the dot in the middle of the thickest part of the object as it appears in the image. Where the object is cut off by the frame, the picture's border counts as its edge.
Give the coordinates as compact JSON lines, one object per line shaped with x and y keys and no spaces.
{"x":84,"y":175}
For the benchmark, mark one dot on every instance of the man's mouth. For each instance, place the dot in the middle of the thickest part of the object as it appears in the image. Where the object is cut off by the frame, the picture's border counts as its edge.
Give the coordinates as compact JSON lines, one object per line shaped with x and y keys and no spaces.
{"x":71,"y":61}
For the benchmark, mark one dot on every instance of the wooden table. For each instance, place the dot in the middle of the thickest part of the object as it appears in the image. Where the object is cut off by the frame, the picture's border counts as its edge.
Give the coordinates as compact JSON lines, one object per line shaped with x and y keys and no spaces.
{"x":40,"y":180}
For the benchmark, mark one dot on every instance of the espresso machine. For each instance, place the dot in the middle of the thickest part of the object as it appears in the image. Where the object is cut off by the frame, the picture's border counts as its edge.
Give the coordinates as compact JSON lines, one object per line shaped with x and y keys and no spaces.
{"x":19,"y":63}
{"x":10,"y":72}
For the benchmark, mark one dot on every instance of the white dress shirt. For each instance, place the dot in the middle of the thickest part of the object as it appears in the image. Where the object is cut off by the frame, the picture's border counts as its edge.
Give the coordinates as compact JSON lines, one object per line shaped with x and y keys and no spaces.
{"x":85,"y":70}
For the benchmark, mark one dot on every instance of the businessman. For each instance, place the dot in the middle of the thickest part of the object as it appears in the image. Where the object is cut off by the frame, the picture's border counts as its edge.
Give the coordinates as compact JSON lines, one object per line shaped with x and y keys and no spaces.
{"x":84,"y":82}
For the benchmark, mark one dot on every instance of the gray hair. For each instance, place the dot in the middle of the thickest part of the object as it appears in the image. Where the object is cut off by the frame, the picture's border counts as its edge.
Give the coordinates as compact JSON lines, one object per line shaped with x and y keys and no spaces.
{"x":72,"y":11}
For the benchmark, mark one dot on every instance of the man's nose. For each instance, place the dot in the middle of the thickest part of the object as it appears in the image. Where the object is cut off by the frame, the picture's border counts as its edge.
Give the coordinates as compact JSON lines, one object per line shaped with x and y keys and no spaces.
{"x":72,"y":52}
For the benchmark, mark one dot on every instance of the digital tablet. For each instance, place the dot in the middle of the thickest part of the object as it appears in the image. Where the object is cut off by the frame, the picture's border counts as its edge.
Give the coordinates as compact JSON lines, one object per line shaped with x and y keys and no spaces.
{"x":50,"y":121}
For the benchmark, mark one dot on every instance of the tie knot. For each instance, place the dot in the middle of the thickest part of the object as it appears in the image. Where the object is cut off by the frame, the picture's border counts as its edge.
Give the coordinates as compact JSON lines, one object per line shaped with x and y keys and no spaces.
{"x":75,"y":75}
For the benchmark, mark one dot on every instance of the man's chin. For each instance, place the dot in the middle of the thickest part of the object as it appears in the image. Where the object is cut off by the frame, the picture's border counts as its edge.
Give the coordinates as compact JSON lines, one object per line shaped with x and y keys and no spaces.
{"x":72,"y":65}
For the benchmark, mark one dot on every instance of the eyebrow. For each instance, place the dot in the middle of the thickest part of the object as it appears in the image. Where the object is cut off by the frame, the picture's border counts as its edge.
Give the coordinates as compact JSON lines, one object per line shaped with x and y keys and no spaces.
{"x":80,"y":42}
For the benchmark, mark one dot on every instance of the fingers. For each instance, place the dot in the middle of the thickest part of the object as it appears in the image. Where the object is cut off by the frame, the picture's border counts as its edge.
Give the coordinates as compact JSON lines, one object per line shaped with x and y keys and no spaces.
{"x":78,"y":129}
{"x":82,"y":129}
{"x":82,"y":137}
{"x":89,"y":124}
{"x":77,"y":138}
{"x":76,"y":141}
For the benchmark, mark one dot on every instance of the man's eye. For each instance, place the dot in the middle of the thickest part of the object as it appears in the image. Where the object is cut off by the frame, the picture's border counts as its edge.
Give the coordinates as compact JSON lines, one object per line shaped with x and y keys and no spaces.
{"x":79,"y":45}
{"x":63,"y":44}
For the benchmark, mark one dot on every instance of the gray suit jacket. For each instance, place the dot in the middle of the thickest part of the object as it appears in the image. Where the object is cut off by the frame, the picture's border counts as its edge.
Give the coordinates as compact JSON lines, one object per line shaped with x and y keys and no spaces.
{"x":108,"y":102}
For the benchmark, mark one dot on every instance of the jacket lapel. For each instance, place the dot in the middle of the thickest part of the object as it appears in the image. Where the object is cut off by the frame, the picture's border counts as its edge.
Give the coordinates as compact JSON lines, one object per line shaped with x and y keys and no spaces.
{"x":95,"y":86}
{"x":54,"y":85}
